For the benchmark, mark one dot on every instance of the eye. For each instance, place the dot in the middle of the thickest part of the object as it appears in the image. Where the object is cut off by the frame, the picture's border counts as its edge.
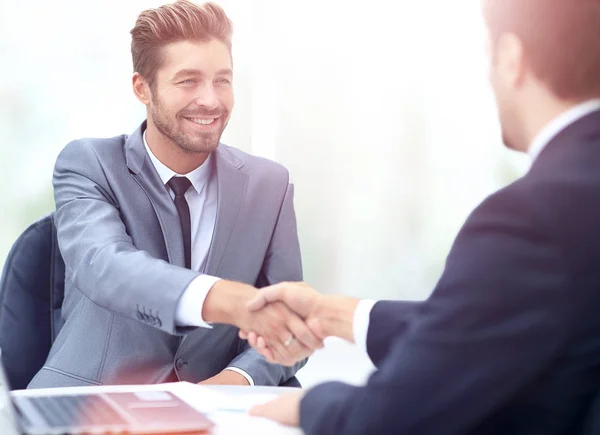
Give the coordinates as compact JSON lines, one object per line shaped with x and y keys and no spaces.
{"x":187,"y":82}
{"x":224,"y":81}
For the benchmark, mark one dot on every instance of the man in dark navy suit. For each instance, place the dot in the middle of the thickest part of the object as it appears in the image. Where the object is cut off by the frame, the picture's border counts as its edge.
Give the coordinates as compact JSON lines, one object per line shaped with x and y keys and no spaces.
{"x":509,"y":341}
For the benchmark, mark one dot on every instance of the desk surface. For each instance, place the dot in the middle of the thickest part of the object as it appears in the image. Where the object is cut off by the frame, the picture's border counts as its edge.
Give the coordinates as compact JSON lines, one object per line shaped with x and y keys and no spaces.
{"x":227,"y":406}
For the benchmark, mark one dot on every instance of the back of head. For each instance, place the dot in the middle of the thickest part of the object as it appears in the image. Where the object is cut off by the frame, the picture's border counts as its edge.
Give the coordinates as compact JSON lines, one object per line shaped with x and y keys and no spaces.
{"x":561,"y":39}
{"x":180,"y":21}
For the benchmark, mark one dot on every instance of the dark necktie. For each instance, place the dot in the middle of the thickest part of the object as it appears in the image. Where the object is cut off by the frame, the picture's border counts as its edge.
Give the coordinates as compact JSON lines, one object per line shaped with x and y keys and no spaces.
{"x":180,"y":185}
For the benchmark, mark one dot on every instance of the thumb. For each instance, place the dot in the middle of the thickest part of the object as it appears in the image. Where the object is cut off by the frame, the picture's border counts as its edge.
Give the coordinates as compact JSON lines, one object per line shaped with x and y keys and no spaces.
{"x":266,"y":296}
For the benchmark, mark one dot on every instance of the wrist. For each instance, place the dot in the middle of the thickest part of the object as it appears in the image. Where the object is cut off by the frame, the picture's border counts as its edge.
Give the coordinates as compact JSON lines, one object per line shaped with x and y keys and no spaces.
{"x":336,"y":314}
{"x":227,"y":377}
{"x":226,"y":303}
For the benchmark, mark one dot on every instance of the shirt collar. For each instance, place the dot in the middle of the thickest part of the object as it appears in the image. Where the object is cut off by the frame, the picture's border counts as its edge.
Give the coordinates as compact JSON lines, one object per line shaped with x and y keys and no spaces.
{"x":198,"y":177}
{"x":558,"y":124}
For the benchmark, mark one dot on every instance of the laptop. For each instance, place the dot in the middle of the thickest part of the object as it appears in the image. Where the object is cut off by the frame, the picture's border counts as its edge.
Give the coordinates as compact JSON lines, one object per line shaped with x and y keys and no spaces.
{"x":141,"y":412}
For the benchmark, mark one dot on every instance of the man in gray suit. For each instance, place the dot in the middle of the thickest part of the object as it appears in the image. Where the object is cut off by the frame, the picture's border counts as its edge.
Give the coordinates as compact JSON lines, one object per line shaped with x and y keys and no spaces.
{"x":166,"y":233}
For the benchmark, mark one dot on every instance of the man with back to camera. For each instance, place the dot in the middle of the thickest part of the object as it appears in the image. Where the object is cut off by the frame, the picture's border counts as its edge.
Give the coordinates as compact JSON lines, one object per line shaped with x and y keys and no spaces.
{"x":147,"y":222}
{"x":509,"y":340}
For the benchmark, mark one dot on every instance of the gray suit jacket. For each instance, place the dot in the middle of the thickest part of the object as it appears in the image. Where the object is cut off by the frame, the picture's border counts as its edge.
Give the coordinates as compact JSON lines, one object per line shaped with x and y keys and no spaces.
{"x":120,"y":237}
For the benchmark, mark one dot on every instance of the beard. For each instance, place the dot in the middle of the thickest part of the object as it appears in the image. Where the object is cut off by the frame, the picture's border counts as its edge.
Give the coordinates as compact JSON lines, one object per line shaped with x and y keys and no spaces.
{"x":174,"y":130}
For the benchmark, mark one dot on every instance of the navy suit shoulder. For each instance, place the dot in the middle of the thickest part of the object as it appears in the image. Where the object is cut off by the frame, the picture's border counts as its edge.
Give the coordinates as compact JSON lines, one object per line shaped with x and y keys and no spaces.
{"x":505,"y":210}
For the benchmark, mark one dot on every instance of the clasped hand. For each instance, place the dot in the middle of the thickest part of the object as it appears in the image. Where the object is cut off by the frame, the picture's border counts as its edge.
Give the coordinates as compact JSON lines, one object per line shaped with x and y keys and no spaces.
{"x":283,"y":324}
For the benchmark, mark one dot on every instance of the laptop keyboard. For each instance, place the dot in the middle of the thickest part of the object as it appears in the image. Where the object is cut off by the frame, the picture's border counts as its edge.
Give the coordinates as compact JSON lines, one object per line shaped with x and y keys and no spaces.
{"x":82,"y":410}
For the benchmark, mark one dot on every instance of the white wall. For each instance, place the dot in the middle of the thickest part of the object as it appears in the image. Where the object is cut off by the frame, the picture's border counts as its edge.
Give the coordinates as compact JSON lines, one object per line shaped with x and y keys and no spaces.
{"x":380,"y":109}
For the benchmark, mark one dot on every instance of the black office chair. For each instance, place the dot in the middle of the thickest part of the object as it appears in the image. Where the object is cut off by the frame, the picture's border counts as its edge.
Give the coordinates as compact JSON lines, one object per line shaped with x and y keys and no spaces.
{"x":31,"y":296}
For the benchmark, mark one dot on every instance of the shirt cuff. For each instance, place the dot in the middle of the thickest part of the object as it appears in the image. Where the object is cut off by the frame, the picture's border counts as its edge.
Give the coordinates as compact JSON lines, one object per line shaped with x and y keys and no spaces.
{"x":243,"y":373}
{"x":189,"y":308}
{"x":360,"y":324}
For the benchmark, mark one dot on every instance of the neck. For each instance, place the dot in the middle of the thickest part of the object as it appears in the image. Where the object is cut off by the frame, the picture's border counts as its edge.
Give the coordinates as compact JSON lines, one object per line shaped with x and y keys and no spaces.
{"x":542,"y":113}
{"x":170,"y":154}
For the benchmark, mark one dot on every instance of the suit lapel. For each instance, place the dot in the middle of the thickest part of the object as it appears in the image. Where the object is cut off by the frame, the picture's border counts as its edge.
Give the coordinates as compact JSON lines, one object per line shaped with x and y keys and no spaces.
{"x":145,"y":175}
{"x":231,"y":184}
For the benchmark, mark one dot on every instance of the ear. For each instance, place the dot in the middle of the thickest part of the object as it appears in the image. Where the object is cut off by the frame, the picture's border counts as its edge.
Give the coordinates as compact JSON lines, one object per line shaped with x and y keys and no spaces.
{"x":141,"y":89}
{"x":509,"y":56}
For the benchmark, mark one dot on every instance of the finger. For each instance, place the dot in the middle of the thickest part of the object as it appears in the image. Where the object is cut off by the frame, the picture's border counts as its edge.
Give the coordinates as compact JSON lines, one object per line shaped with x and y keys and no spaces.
{"x":266,"y":410}
{"x":243,"y":335}
{"x":279,"y":341}
{"x":315,"y":325}
{"x":274,"y":323}
{"x":252,"y":339}
{"x":279,"y":355}
{"x":303,"y":334}
{"x":259,"y":344}
{"x":275,"y":333}
{"x":266,"y":296}
{"x":298,"y":352}
{"x":258,"y":411}
{"x":285,"y":409}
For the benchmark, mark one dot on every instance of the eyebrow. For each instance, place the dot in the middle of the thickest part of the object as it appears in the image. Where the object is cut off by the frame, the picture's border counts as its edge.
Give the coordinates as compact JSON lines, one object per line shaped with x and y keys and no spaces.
{"x":198,"y":72}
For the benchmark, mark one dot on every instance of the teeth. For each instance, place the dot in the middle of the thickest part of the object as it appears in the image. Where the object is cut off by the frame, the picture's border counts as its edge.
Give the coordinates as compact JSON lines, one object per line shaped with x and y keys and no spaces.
{"x":202,"y":121}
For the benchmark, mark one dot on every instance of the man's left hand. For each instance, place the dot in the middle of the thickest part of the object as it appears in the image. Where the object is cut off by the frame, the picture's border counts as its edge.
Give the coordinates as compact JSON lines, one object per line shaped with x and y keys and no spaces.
{"x":226,"y":377}
{"x":284,"y":410}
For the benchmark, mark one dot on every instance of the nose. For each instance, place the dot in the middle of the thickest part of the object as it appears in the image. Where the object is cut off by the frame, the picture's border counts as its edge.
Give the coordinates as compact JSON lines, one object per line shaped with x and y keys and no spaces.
{"x":206,"y":96}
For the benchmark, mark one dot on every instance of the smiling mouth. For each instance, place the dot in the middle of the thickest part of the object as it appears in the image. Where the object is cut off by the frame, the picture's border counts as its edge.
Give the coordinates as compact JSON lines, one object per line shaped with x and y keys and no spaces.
{"x":203,"y":121}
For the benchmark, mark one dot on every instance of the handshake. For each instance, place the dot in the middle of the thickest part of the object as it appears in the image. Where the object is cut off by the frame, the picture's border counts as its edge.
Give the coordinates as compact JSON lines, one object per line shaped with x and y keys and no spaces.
{"x":285,"y":322}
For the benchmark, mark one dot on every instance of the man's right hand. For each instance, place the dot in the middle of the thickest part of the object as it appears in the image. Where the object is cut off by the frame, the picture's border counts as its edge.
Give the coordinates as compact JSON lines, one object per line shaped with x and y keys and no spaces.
{"x":301,"y":298}
{"x":325,"y":315}
{"x":287,"y":336}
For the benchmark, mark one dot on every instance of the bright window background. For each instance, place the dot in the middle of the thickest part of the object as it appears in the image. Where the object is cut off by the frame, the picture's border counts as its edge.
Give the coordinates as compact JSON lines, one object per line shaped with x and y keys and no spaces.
{"x":381,"y":110}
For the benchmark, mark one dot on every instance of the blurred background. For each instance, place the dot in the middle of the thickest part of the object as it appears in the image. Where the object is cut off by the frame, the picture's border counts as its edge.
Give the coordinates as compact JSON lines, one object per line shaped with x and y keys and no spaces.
{"x":381,"y":111}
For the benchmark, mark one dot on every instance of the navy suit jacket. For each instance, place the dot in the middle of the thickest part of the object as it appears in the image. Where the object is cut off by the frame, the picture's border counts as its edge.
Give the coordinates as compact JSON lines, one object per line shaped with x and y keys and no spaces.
{"x":509,"y":341}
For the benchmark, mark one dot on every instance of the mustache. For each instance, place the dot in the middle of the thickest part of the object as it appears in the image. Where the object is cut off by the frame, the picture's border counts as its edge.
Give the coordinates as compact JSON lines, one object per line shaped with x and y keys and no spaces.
{"x":204,"y":113}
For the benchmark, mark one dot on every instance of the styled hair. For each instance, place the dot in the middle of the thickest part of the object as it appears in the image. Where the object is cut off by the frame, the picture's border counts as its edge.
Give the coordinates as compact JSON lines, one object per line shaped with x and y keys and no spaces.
{"x":561,"y":39}
{"x":181,"y":21}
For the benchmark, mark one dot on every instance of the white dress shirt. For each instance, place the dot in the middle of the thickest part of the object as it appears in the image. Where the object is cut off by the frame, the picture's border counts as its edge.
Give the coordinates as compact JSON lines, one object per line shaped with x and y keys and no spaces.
{"x":202,"y":201}
{"x":558,"y":124}
{"x":360,"y":323}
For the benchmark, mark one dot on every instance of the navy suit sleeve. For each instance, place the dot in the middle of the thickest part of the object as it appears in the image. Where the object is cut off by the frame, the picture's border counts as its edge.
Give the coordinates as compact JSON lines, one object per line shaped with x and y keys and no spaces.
{"x":388,"y":320}
{"x":492,"y":325}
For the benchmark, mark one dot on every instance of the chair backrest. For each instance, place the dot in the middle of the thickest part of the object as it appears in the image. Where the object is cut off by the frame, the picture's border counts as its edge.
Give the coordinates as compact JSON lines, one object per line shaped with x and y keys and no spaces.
{"x":31,"y":296}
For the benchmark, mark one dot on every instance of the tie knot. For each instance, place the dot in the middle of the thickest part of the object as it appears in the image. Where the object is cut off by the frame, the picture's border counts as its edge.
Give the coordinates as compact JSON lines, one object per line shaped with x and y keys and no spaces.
{"x":179,"y":185}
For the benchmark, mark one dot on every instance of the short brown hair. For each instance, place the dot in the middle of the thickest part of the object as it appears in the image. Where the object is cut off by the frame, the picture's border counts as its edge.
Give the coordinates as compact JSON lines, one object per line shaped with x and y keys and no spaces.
{"x":180,"y":21}
{"x":561,"y":39}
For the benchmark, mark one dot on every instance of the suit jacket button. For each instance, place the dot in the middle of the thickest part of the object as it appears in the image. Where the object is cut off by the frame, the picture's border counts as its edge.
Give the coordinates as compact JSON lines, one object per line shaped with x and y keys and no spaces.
{"x":180,"y":363}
